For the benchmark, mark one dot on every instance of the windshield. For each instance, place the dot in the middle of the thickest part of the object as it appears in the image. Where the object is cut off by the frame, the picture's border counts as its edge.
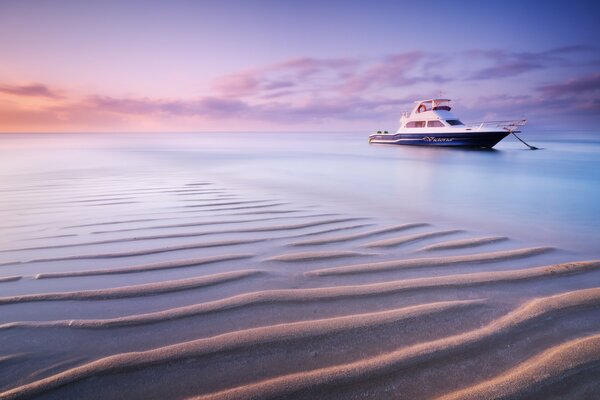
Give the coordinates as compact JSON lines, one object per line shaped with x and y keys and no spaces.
{"x":454,"y":122}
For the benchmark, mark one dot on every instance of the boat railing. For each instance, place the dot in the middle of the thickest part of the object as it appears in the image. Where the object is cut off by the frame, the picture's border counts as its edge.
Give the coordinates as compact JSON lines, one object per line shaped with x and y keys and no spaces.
{"x":511,"y":126}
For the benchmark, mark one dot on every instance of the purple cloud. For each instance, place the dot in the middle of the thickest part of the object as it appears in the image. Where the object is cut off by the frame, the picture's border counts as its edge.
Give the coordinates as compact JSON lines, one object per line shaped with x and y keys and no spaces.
{"x":240,"y":84}
{"x":576,"y":86}
{"x":506,"y":69}
{"x":312,"y":78}
{"x":539,"y":108}
{"x":391,"y":71}
{"x":508,"y":64}
{"x":315,"y":109}
{"x":287,"y":74}
{"x":278,"y":85}
{"x":33,"y":90}
{"x":211,"y":107}
{"x":347,"y":89}
{"x":305,"y":67}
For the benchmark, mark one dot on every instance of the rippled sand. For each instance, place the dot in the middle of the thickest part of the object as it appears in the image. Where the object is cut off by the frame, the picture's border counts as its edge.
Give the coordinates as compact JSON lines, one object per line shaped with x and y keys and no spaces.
{"x":195,"y":289}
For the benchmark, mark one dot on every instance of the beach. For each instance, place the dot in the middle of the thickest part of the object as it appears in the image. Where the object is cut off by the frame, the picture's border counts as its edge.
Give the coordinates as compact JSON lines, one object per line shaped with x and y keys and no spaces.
{"x":297,"y":266}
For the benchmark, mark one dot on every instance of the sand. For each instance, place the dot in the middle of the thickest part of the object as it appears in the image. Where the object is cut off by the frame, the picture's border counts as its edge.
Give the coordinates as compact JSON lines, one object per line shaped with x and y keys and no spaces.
{"x":148,"y":289}
{"x":433,"y":261}
{"x":464,"y":243}
{"x":234,"y":296}
{"x":362,"y":235}
{"x":404,"y":358}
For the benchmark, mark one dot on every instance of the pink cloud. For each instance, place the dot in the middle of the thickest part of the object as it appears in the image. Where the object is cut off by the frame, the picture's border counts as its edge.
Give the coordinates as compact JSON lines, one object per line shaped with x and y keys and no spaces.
{"x":239,"y":84}
{"x":327,"y":109}
{"x":286,"y":74}
{"x":341,"y":76}
{"x":32,"y":90}
{"x":391,"y":71}
{"x":278,"y":84}
{"x":306,"y":66}
{"x":298,"y":90}
{"x":210,"y":107}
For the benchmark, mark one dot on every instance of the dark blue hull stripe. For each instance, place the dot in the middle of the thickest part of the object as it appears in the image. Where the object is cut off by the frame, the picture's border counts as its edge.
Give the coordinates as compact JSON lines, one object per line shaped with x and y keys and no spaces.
{"x":467,"y":139}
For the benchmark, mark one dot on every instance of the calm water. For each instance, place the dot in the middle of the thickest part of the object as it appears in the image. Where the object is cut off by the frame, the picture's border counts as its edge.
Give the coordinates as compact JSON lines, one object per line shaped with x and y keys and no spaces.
{"x":550,"y":196}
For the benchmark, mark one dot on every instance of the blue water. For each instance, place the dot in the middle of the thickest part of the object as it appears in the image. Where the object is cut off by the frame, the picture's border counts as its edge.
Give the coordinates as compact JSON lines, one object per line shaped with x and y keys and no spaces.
{"x":550,"y":196}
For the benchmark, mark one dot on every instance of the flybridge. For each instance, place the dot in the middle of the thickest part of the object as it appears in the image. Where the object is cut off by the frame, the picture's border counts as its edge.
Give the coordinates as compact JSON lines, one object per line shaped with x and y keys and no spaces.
{"x":424,"y":106}
{"x":434,"y":104}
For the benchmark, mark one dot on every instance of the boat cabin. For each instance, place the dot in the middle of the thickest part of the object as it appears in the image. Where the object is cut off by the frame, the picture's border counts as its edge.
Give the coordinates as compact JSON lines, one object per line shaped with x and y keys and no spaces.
{"x":431,"y":113}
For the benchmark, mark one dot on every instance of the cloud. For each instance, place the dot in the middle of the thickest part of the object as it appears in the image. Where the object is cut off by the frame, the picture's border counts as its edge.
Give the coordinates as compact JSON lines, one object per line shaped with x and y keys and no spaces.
{"x":306,"y":66}
{"x":219,"y":108}
{"x":298,"y":91}
{"x":238,"y":84}
{"x":569,"y":107}
{"x":335,"y":76}
{"x":210,"y":106}
{"x":576,"y":86}
{"x":505,"y":64}
{"x":325,"y":109}
{"x":32,"y":90}
{"x":506,"y":69}
{"x":278,"y":85}
{"x":391,"y":71}
{"x":299,"y":73}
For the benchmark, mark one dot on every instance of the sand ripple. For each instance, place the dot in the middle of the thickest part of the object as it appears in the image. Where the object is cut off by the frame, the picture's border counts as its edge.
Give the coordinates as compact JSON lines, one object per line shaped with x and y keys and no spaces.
{"x":146,"y":267}
{"x":410,"y":238}
{"x":432,"y":262}
{"x":425,"y":338}
{"x":147,"y":289}
{"x":317,"y":255}
{"x":321,"y":294}
{"x":226,"y":203}
{"x":464,"y":243}
{"x":272,"y":228}
{"x":323,"y":231}
{"x":10,"y":278}
{"x":553,"y":365}
{"x":152,"y":250}
{"x":232,"y":341}
{"x":361,"y":235}
{"x":395,"y":361}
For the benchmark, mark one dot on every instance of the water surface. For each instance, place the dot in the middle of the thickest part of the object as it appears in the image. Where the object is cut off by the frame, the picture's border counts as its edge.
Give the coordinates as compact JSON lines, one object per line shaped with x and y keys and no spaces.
{"x":549,"y":196}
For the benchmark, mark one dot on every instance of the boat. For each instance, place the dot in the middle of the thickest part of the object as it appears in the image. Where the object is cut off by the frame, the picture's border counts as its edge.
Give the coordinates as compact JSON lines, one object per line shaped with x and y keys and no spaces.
{"x":431,"y":123}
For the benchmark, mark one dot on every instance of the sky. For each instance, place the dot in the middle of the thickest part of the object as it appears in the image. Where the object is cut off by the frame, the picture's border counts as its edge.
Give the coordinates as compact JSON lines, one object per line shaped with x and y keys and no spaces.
{"x":88,"y":66}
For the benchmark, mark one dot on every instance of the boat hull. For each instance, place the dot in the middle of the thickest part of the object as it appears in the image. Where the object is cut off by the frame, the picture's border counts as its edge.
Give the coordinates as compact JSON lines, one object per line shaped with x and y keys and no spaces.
{"x":485,"y":140}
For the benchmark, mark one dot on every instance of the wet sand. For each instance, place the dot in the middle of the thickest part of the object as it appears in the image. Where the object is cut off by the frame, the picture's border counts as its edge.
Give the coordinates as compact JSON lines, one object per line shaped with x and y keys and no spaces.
{"x":166,"y":291}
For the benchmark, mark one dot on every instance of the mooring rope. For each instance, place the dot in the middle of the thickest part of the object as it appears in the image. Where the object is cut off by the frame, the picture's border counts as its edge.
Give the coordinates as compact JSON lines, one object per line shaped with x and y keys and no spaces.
{"x":524,"y":142}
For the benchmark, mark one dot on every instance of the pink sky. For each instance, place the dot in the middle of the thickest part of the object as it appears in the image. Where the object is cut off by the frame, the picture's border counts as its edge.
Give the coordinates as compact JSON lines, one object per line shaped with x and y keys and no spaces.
{"x":202,"y":66}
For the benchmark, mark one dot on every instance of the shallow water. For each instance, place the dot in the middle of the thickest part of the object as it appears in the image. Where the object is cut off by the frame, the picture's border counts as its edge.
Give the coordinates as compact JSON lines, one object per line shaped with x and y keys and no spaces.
{"x":549,"y":196}
{"x":242,"y":252}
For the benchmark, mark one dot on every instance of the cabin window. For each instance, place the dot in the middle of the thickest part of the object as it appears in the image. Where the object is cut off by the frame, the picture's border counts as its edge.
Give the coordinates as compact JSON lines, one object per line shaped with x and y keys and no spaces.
{"x":454,"y":122}
{"x":416,"y":124}
{"x":434,"y":124}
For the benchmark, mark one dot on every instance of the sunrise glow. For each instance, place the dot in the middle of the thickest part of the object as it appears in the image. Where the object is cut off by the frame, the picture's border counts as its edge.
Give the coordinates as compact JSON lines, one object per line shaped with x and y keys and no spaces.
{"x":239,"y":66}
